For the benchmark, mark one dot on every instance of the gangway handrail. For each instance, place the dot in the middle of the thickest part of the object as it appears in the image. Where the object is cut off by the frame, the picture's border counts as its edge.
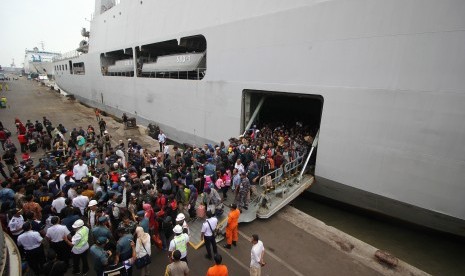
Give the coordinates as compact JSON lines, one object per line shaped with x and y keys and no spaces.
{"x":269,"y":180}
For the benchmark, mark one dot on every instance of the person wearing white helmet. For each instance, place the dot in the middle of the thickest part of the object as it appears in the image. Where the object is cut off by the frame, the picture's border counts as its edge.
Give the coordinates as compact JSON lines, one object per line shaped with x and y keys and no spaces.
{"x":107,"y":140}
{"x":80,"y":245}
{"x":181,"y":220}
{"x":91,"y":213}
{"x":179,"y":242}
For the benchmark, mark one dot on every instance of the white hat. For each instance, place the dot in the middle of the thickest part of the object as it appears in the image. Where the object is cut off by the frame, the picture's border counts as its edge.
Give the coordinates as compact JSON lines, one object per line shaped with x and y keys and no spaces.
{"x":105,"y":132}
{"x":180,"y":217}
{"x":115,"y":165}
{"x":93,"y":202}
{"x":123,"y":179}
{"x":177,"y":229}
{"x":146,"y":182}
{"x":78,"y":223}
{"x":129,"y":139}
{"x":144,"y":170}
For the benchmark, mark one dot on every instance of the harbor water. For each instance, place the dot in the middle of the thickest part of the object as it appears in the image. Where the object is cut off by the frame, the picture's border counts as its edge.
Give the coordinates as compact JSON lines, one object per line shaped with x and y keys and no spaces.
{"x":432,"y":252}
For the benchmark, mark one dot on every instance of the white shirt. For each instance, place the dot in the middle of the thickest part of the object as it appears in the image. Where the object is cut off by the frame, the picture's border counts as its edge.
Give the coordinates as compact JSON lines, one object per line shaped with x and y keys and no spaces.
{"x":29,"y":240}
{"x":140,"y":251}
{"x":72,"y":193}
{"x":81,"y":202}
{"x":15,"y":224}
{"x":161,"y":138}
{"x":57,"y":232}
{"x":206,"y":228}
{"x":239,"y":167}
{"x":80,"y":171}
{"x":256,"y":254}
{"x":92,"y":218}
{"x":59,"y":204}
{"x":62,"y":180}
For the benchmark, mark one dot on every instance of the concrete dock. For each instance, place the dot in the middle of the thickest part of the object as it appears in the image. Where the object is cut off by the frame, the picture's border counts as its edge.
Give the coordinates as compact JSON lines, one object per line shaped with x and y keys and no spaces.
{"x":296,"y":243}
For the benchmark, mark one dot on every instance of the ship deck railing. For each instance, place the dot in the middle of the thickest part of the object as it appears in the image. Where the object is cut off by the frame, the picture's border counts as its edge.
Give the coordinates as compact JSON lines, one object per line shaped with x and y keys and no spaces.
{"x":196,"y":74}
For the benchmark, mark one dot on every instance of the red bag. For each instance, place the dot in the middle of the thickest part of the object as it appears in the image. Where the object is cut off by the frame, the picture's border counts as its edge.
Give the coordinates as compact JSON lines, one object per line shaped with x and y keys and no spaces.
{"x":156,"y":239}
{"x":201,"y":211}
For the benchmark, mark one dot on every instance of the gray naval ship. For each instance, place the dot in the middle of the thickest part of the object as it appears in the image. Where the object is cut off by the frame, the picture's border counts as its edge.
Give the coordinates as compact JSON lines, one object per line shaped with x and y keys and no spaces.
{"x":382,"y":81}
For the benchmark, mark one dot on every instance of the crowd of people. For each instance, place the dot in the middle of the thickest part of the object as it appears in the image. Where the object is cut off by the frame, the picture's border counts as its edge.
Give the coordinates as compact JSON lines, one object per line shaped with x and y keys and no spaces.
{"x":118,"y":201}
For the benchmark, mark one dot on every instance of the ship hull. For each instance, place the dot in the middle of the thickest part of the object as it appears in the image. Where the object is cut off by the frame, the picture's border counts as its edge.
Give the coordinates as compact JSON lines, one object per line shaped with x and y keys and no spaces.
{"x":390,"y":75}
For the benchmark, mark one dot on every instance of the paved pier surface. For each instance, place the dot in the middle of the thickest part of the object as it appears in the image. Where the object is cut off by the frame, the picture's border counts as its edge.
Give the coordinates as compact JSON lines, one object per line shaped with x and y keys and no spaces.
{"x":296,"y":243}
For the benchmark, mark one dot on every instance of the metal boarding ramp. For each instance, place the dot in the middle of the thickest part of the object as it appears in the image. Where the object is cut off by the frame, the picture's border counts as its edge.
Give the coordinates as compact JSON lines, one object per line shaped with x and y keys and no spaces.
{"x":274,"y":191}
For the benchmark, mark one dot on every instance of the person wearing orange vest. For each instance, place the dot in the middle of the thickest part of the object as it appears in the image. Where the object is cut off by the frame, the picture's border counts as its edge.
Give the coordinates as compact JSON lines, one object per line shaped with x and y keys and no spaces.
{"x":231,"y":227}
{"x":218,"y":269}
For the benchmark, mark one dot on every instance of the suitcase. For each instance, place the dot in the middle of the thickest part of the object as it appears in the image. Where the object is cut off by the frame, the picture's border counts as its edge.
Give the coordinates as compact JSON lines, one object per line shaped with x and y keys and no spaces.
{"x":201,"y":211}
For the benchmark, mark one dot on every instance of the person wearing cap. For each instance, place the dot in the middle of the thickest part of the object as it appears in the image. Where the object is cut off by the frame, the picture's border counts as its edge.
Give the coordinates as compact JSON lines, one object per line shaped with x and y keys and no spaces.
{"x":123,"y":246}
{"x":107,"y":140}
{"x":102,"y":229}
{"x":181,"y":220}
{"x":208,"y":234}
{"x":100,"y":255}
{"x":145,"y":176}
{"x":31,"y":242}
{"x":231,"y":228}
{"x":218,"y":269}
{"x":179,"y":242}
{"x":80,"y":245}
{"x":143,"y":221}
{"x":92,"y":213}
{"x":57,"y":235}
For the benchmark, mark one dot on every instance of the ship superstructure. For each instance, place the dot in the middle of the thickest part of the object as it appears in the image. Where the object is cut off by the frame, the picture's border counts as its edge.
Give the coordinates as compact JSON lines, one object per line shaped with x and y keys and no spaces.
{"x":39,"y":61}
{"x":381,"y":80}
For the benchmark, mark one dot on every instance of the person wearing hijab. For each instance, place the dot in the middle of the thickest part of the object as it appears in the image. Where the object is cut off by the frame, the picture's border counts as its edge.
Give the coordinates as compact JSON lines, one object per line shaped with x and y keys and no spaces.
{"x":143,"y":248}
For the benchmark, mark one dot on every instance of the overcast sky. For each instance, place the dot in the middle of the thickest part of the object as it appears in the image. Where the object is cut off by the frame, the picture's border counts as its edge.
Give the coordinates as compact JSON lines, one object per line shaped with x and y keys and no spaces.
{"x":25,"y":23}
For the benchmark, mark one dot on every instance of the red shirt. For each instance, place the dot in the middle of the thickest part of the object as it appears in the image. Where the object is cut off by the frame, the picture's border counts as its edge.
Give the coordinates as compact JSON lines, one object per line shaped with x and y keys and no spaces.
{"x":22,"y":139}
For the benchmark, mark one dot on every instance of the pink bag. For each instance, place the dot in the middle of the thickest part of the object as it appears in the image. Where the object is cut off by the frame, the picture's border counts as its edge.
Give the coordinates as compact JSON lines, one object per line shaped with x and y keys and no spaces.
{"x":201,"y":211}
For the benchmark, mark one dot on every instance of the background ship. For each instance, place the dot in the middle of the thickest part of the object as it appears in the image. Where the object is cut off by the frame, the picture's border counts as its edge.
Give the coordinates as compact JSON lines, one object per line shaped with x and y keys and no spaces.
{"x":381,"y":80}
{"x":40,"y":62}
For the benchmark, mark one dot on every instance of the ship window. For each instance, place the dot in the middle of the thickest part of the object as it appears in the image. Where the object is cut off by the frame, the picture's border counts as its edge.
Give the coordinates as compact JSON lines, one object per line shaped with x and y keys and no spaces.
{"x":172,"y":60}
{"x":78,"y":68}
{"x":70,"y":67}
{"x":66,"y":66}
{"x":118,"y":63}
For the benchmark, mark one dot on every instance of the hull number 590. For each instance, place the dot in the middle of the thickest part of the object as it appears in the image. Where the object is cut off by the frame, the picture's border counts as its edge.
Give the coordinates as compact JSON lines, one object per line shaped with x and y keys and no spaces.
{"x":182,"y":59}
